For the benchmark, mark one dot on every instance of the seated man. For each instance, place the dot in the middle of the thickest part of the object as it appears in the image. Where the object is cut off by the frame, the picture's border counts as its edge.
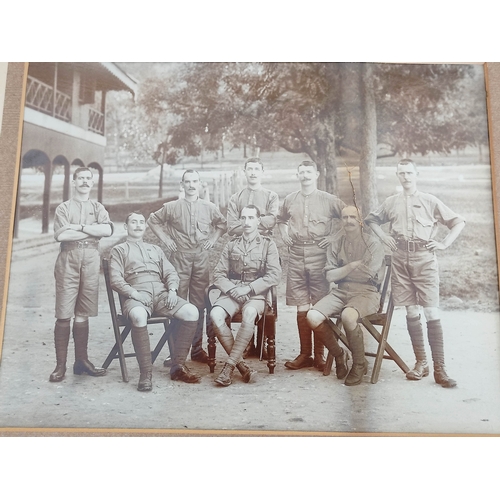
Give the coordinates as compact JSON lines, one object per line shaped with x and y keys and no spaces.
{"x":355,"y":261}
{"x":248,"y":267}
{"x":141,"y":272}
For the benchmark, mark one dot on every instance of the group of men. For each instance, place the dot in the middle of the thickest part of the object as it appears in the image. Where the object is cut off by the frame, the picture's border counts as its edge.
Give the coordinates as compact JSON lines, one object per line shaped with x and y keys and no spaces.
{"x":330,"y":271}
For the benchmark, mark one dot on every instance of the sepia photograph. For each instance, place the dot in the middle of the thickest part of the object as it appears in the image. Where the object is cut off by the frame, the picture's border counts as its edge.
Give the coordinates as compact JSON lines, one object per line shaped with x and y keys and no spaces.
{"x":252,"y":248}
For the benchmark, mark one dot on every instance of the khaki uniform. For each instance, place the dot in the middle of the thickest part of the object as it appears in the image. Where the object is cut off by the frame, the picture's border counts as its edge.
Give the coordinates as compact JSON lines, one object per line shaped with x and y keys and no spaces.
{"x":413,"y":222}
{"x":265,"y":200}
{"x":77,"y":266}
{"x":359,"y":289}
{"x":143,"y":267}
{"x":310,"y":219}
{"x":254,"y":263}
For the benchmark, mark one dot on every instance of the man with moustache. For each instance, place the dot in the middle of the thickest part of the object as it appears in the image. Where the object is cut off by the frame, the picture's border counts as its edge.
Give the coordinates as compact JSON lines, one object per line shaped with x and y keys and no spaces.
{"x":189,"y":228}
{"x":413,"y":219}
{"x":141,"y":272}
{"x":354,"y":268}
{"x":248,"y":267}
{"x":268,"y":203}
{"x":306,"y":224}
{"x":79,"y":224}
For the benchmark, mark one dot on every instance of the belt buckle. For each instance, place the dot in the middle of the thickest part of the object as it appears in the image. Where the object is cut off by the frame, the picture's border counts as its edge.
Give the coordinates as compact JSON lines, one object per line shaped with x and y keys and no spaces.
{"x":411,"y":246}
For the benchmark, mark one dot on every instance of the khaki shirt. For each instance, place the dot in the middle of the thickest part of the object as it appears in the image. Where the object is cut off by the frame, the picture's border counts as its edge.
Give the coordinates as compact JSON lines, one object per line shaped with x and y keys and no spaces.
{"x":131,"y":259}
{"x":241,"y":256}
{"x":310,"y":217}
{"x":189,"y":224}
{"x":265,"y":200}
{"x":80,"y":212}
{"x":415,"y":216}
{"x":367,"y":248}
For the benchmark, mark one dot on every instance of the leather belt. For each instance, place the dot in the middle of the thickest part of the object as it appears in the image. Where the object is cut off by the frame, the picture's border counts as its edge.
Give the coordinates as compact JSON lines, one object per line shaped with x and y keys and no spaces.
{"x":70,"y":245}
{"x":305,"y":242}
{"x":411,"y":245}
{"x":137,"y":279}
{"x":353,"y":286}
{"x":244,"y":276}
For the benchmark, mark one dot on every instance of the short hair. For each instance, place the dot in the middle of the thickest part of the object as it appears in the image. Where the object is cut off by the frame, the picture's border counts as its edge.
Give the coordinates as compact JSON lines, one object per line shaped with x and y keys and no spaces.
{"x":358,"y":210}
{"x":255,"y":159}
{"x":81,"y":169}
{"x":190,"y":171}
{"x":308,"y":163}
{"x":251,"y":206}
{"x":135,"y":212}
{"x":407,"y":161}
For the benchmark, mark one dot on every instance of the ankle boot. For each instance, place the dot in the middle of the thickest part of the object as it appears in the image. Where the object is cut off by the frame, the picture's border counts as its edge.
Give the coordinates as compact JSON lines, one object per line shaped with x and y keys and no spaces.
{"x":246,"y":372}
{"x":359,"y":363}
{"x":435,"y":336}
{"x":304,"y":359}
{"x":421,"y":368}
{"x":224,"y":377}
{"x":82,"y":363}
{"x":140,"y":340}
{"x":61,"y":341}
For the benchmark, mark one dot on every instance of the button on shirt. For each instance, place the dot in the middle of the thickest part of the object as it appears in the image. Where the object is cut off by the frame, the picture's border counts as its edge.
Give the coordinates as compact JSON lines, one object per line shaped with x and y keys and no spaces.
{"x":310,"y":217}
{"x":189,"y":224}
{"x":130,"y":259}
{"x":267,"y":202}
{"x":415,"y":216}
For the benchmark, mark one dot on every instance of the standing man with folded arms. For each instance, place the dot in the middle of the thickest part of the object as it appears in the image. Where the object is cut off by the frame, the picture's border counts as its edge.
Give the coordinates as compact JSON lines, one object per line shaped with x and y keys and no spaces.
{"x":306,"y":224}
{"x":413,"y":217}
{"x":189,"y":228}
{"x":79,"y":224}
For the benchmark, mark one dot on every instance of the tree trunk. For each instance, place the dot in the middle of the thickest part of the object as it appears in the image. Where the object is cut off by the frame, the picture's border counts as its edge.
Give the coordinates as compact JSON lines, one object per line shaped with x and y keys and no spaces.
{"x":368,"y":158}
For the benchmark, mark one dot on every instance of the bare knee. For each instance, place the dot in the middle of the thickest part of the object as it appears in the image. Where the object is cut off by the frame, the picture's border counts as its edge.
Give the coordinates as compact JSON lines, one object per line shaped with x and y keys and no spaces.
{"x":412,"y":311}
{"x":218,"y":316}
{"x":138,"y":316}
{"x":188,"y":312}
{"x":350,"y":318}
{"x":431,"y":313}
{"x":315,"y":318}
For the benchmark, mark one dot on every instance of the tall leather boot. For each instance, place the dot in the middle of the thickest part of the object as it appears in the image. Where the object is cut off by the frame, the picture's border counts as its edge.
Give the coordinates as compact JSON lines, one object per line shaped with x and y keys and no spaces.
{"x":319,"y":353}
{"x":421,"y":368}
{"x":142,"y":348}
{"x":182,"y":338}
{"x":61,"y":341}
{"x":359,"y":363}
{"x":304,"y":359}
{"x":324,"y":333}
{"x":435,"y":336}
{"x":197,"y":352}
{"x":82,"y":363}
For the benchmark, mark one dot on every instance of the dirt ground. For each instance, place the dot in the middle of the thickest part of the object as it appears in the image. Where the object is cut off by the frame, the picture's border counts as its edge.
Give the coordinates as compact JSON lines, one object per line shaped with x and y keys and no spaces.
{"x":290,"y":401}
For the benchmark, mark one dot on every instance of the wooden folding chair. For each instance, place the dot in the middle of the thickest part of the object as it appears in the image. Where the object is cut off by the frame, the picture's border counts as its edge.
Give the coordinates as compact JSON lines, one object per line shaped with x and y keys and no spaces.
{"x":382,"y":318}
{"x":266,"y":327}
{"x":120,"y":321}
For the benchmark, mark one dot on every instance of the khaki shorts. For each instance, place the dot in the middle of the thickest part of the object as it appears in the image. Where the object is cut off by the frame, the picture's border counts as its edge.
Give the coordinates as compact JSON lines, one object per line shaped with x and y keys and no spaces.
{"x":415,"y":278}
{"x":157,"y":294}
{"x":364,"y":298}
{"x":77,"y":282}
{"x":306,"y":282}
{"x":231,"y":306}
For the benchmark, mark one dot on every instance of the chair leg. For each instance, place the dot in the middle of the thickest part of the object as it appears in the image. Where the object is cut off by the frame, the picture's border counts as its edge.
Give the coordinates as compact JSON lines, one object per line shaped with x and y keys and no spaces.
{"x":270,"y":334}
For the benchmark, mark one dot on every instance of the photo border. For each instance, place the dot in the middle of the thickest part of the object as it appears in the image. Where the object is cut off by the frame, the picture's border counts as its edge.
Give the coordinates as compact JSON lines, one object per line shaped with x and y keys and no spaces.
{"x":10,"y":147}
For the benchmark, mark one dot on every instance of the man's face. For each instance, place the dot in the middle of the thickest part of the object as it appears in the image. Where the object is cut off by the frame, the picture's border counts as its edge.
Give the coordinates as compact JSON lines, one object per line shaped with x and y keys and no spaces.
{"x":351,"y":220}
{"x":191,"y":184}
{"x":307,"y":175}
{"x":136,"y":226}
{"x":254,"y":173}
{"x":407,"y":176}
{"x":83,"y":182}
{"x":249,"y":220}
